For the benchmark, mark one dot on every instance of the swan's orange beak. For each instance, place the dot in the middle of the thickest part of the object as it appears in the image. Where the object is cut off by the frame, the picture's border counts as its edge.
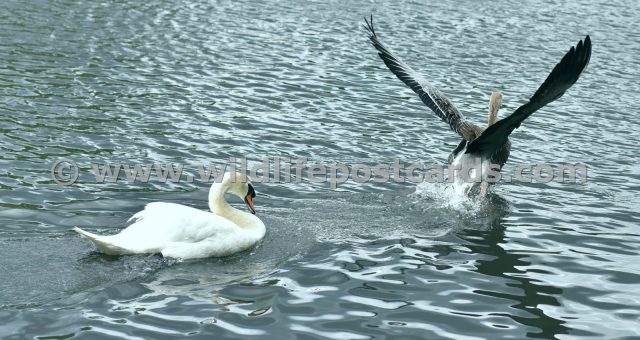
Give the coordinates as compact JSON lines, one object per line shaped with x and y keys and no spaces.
{"x":249,"y":199}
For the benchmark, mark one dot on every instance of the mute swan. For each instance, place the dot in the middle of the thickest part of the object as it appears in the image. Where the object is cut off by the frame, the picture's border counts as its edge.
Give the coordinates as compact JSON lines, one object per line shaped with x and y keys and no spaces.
{"x":183,"y":232}
{"x":490,"y":145}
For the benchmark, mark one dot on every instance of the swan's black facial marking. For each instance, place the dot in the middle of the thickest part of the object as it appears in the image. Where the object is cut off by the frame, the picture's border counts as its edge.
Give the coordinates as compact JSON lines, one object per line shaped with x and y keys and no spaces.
{"x":248,"y":198}
{"x":251,"y":191}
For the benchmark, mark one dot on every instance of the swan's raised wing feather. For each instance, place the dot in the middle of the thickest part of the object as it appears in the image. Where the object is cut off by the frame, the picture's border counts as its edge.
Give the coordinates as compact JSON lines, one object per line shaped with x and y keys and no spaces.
{"x":163,"y":222}
{"x":563,"y":76}
{"x":429,"y":95}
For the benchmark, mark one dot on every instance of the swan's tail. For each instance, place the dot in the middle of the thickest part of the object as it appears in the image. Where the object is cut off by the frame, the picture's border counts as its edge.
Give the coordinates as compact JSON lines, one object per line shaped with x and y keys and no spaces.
{"x":103,"y":243}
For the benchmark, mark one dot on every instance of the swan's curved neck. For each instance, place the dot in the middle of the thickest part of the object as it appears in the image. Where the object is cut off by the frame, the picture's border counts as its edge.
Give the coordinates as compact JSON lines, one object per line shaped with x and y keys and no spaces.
{"x":221,"y":207}
{"x":217,"y":204}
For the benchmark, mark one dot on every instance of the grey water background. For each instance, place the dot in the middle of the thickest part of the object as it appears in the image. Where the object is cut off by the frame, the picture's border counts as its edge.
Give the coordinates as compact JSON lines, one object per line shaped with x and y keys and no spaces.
{"x":201,"y":81}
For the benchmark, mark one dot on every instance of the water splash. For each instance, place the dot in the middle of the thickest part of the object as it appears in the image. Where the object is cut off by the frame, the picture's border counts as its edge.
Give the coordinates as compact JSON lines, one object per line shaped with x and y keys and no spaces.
{"x":450,"y":196}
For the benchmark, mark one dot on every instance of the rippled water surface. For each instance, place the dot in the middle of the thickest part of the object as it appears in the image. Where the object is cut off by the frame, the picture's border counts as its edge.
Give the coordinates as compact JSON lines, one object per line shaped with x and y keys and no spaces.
{"x":201,"y":81}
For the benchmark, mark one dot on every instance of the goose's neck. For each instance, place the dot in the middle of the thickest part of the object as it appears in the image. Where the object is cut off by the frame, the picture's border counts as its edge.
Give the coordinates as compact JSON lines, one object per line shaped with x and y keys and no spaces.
{"x":494,"y":105}
{"x":493,"y":116}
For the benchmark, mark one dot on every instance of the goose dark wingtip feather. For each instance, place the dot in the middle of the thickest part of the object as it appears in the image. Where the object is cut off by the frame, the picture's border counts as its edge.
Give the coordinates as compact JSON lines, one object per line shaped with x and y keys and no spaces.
{"x":564,"y":75}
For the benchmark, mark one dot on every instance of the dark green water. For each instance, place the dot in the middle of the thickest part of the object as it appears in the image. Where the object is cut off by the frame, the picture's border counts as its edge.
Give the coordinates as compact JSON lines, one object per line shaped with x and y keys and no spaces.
{"x":199,"y":82}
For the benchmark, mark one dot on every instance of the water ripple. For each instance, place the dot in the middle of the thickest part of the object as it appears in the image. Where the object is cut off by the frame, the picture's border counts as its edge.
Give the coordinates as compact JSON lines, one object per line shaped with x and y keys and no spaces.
{"x":199,"y":82}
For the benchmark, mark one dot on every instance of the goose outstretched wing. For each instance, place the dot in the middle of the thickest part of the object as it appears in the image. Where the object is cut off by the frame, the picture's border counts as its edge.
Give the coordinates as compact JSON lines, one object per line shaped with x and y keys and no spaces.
{"x":563,"y":76}
{"x":429,"y":95}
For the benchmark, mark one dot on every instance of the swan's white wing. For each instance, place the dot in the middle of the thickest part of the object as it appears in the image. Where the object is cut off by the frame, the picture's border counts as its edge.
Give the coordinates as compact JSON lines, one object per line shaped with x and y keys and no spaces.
{"x":162,"y":224}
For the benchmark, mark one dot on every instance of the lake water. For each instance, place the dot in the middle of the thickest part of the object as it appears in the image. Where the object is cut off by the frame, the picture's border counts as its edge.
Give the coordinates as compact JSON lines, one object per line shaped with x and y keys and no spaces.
{"x":201,"y":81}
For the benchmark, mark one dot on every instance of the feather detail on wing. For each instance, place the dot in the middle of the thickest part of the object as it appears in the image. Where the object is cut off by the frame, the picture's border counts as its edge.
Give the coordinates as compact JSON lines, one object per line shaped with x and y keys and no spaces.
{"x":429,"y":95}
{"x":563,"y":76}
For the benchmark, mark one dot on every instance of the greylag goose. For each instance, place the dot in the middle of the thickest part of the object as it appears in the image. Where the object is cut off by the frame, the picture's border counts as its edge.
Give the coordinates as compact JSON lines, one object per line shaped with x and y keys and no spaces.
{"x":490,"y":145}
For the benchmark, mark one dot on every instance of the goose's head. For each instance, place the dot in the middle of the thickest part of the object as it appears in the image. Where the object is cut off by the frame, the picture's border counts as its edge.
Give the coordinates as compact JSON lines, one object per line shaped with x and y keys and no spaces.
{"x":494,"y":105}
{"x":239,"y":185}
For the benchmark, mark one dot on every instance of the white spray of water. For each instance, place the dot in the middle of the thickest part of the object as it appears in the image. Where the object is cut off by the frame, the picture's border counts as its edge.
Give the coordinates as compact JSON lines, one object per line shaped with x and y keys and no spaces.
{"x":457,"y":194}
{"x":448,"y":195}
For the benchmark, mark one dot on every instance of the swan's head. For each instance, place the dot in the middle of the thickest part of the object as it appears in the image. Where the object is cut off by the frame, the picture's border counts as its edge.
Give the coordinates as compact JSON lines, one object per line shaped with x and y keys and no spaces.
{"x":241,"y":187}
{"x":494,"y":105}
{"x":249,"y":194}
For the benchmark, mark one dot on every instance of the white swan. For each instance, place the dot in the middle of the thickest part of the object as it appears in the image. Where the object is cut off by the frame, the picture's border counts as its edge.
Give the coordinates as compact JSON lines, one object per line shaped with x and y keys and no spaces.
{"x":183,"y":232}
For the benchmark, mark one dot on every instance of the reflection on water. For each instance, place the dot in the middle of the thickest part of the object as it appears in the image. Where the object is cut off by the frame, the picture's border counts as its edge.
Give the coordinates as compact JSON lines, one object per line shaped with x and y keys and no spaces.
{"x":201,"y":82}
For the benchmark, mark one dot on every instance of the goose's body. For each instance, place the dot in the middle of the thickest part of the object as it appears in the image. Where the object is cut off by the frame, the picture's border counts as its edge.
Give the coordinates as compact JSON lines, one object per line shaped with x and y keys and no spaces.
{"x":490,"y":145}
{"x":460,"y":159}
{"x":183,"y":232}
